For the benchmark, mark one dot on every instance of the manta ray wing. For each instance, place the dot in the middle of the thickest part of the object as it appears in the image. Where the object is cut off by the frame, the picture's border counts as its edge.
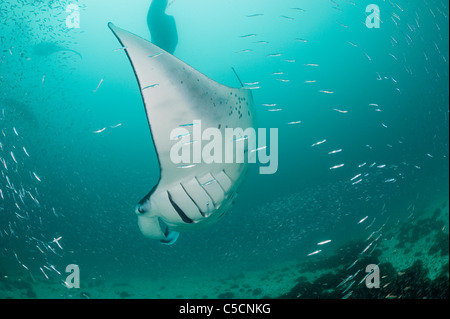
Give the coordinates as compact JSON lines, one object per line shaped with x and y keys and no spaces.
{"x":175,"y":96}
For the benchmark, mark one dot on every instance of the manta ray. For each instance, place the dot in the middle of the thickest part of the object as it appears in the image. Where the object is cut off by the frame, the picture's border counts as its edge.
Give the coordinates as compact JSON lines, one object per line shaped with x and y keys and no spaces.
{"x":176,"y":95}
{"x":49,"y":48}
{"x":17,"y":111}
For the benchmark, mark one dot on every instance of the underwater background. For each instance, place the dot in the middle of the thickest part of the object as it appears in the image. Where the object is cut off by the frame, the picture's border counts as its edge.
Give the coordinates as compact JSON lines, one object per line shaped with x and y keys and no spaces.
{"x":76,"y":154}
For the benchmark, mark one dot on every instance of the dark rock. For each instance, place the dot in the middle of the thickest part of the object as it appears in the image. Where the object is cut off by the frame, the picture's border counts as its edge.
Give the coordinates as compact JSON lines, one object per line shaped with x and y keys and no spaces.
{"x":124,"y":295}
{"x":257,"y":291}
{"x":226,"y":295}
{"x":31,"y":294}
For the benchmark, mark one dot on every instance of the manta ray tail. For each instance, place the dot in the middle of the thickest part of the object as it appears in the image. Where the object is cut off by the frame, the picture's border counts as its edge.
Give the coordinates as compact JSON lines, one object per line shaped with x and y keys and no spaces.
{"x":239,"y":79}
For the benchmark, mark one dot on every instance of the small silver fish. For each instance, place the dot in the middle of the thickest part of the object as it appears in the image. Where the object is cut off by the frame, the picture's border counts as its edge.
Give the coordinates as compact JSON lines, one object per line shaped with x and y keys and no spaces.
{"x":315,"y":252}
{"x":318,"y":143}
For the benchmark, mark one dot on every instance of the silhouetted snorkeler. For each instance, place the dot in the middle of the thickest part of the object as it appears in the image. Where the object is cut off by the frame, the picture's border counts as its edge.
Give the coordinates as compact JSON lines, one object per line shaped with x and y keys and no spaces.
{"x":163,"y":28}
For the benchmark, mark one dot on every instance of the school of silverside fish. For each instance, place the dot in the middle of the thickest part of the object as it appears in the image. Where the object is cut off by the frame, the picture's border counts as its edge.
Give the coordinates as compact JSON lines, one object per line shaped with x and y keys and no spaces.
{"x":32,"y":31}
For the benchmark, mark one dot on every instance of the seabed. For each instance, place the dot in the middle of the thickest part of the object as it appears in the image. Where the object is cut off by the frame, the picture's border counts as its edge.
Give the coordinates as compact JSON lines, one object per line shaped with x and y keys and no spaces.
{"x":413,"y":259}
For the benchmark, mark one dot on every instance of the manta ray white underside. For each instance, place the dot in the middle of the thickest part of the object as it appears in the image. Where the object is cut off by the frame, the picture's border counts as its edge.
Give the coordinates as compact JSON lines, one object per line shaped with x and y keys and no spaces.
{"x":175,"y":95}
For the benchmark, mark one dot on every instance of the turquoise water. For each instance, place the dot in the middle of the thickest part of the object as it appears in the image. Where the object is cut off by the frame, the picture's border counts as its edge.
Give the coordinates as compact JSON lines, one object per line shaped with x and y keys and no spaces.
{"x":377,"y":97}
